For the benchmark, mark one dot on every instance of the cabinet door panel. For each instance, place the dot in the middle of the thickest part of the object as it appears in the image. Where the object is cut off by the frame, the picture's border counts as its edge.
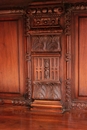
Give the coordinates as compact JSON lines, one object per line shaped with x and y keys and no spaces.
{"x":82,"y":50}
{"x":11,"y":58}
{"x":9,"y":70}
{"x":79,"y":56}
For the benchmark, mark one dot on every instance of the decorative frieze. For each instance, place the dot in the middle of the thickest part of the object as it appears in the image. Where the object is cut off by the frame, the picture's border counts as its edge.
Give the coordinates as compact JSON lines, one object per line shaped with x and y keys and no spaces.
{"x":79,"y":105}
{"x":45,"y":16}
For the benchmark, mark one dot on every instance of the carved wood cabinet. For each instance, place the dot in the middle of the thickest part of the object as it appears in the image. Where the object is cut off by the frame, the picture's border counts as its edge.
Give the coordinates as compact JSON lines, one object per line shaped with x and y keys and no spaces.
{"x":43,"y":56}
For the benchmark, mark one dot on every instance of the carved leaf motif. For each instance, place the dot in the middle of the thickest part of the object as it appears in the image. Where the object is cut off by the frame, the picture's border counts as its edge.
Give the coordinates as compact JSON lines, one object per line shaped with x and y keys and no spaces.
{"x":43,"y":90}
{"x":54,"y":44}
{"x":38,"y":43}
{"x":46,"y":43}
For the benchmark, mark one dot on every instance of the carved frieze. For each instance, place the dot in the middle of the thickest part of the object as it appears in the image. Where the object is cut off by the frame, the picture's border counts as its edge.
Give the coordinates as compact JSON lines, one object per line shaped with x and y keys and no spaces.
{"x":45,"y":16}
{"x":46,"y":43}
{"x":46,"y":90}
{"x":79,"y":105}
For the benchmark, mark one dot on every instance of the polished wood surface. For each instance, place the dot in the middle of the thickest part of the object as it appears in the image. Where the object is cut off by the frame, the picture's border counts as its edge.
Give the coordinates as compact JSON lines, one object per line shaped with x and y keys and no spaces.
{"x":43,"y":54}
{"x":22,"y":119}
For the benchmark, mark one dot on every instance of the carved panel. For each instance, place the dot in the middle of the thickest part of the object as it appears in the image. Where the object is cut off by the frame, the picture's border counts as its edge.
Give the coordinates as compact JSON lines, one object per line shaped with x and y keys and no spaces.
{"x":47,"y":90}
{"x":46,"y":68}
{"x":45,"y":16}
{"x":46,"y":43}
{"x":79,"y":105}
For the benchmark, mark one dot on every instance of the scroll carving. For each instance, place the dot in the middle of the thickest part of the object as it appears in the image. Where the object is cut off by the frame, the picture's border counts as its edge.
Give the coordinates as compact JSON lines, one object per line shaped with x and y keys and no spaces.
{"x":46,"y":43}
{"x":47,"y":90}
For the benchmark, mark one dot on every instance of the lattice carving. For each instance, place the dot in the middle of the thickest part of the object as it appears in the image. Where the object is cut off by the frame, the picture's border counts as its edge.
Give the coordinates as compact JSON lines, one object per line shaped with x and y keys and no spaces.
{"x":46,"y":68}
{"x":46,"y":90}
{"x":46,"y":43}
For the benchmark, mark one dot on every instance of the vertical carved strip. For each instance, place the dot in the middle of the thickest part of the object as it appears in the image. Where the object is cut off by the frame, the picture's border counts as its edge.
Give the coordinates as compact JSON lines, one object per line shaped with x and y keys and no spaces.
{"x":68,"y":55}
{"x":28,"y":63}
{"x":46,"y":68}
{"x":28,"y":57}
{"x":68,"y":74}
{"x":58,"y":68}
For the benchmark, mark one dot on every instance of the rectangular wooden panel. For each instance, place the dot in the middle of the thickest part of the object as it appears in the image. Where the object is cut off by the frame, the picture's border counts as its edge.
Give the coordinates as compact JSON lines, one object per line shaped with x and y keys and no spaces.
{"x":9,"y":69}
{"x":79,"y":54}
{"x":82,"y":56}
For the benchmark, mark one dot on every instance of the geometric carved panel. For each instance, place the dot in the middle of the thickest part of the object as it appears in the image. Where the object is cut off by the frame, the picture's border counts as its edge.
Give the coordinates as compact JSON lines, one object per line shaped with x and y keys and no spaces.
{"x":46,"y":43}
{"x":46,"y":68}
{"x":46,"y":83}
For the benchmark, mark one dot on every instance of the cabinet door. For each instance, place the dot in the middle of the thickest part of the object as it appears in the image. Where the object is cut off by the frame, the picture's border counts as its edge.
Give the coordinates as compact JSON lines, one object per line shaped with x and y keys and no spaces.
{"x":79,"y":58}
{"x":11,"y":58}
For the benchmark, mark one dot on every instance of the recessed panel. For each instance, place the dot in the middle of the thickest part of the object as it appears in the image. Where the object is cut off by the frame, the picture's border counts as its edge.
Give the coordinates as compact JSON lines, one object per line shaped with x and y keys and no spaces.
{"x":9,"y":69}
{"x":82,"y":56}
